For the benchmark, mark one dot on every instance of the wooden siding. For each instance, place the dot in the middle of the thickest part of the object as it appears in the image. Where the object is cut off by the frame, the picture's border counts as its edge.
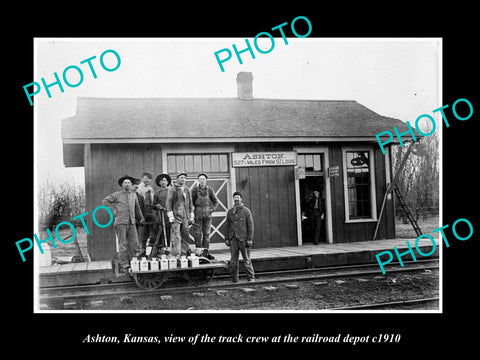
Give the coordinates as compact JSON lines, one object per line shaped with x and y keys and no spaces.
{"x":269,"y":192}
{"x":104,"y":165}
{"x":361,"y":231}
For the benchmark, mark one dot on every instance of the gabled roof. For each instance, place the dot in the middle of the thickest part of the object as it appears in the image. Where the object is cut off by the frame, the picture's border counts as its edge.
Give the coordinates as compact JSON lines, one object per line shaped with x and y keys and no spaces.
{"x":180,"y":119}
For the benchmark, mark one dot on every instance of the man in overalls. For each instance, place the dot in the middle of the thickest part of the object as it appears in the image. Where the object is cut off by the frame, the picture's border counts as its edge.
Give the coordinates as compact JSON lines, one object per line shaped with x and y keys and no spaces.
{"x":180,"y":213}
{"x":205,"y":202}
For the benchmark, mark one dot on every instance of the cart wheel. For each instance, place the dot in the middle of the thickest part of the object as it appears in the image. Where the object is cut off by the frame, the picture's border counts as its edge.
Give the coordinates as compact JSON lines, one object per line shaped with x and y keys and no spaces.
{"x":200,"y":276}
{"x":149,"y":281}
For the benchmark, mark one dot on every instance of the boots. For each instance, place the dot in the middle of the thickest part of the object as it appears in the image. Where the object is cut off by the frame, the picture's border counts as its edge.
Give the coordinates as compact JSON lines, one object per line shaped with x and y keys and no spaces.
{"x":206,"y":254}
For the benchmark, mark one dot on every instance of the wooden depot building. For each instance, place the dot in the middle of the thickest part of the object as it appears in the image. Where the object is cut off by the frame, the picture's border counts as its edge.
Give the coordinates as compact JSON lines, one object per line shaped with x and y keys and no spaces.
{"x":274,"y":151}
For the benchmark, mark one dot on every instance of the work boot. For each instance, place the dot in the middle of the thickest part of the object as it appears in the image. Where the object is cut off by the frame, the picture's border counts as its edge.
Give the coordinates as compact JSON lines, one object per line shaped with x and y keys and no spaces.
{"x":127,"y":270}
{"x":207,"y":254}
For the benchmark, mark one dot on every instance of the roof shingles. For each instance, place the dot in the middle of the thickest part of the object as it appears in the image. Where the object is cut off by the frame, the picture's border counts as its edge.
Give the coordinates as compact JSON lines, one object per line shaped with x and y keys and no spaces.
{"x":108,"y":118}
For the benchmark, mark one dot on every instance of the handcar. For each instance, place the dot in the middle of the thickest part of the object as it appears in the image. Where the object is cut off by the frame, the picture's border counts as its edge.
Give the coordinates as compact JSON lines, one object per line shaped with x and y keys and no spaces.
{"x":153,"y":279}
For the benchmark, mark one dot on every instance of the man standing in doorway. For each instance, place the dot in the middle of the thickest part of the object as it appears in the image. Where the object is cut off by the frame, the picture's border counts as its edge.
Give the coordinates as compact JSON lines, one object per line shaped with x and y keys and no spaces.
{"x":239,"y":237}
{"x":125,"y":207}
{"x":148,"y":231}
{"x":205,"y":202}
{"x":316,"y":211}
{"x":180,"y":213}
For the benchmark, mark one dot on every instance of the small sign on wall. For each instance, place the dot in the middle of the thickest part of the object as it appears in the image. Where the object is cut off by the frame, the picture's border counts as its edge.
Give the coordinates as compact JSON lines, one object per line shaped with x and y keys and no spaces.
{"x":334,"y":171}
{"x":299,"y":173}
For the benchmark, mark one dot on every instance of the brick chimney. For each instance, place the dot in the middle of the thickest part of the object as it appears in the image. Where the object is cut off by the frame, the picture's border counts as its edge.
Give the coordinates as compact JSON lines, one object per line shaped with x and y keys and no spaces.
{"x":244,"y":85}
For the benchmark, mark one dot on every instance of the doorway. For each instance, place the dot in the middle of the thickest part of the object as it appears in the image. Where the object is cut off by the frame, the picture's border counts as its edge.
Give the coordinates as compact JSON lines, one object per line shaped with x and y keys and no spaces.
{"x":307,"y":187}
{"x":221,"y":187}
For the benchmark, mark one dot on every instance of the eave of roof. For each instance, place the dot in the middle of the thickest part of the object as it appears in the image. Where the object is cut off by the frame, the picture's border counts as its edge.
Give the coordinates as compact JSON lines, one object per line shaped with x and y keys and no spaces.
{"x":222,"y":119}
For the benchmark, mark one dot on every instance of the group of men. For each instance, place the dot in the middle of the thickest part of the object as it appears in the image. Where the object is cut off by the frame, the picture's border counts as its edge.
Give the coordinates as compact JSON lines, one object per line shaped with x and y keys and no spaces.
{"x":161,"y":220}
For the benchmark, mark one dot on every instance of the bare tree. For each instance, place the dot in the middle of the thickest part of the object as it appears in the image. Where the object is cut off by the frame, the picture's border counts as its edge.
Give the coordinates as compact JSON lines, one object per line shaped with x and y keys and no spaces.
{"x":419,"y":180}
{"x":59,"y":201}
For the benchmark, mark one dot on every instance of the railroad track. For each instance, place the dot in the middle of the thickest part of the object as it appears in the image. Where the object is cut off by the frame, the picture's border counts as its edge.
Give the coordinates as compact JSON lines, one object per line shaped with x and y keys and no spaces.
{"x":390,"y":304}
{"x":128,"y":288}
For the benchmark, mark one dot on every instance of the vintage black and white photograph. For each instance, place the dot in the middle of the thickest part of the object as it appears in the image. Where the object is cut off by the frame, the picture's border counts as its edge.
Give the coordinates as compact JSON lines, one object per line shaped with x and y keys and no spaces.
{"x":212,"y":175}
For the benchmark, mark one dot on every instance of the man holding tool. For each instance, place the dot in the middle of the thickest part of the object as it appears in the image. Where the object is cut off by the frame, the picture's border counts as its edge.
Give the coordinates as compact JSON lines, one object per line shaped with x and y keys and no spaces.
{"x":163,"y":181}
{"x":180,"y":215}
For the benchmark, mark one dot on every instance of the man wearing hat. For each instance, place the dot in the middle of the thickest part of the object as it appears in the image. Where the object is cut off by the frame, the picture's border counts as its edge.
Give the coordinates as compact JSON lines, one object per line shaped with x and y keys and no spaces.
{"x":205,"y":202}
{"x":239,"y":236}
{"x":141,"y":201}
{"x":125,"y":207}
{"x":147,"y":231}
{"x":180,"y":212}
{"x":163,"y":181}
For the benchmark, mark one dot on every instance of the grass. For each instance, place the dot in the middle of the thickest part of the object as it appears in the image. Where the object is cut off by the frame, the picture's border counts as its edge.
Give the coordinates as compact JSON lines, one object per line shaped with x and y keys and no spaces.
{"x":406,"y":231}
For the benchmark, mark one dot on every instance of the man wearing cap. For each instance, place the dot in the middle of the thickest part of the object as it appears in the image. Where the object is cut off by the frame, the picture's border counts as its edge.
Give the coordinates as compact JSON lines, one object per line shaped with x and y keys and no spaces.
{"x":205,"y":202}
{"x":141,"y":201}
{"x":180,"y":213}
{"x":239,"y":237}
{"x":148,"y":231}
{"x":125,"y":207}
{"x":160,"y":204}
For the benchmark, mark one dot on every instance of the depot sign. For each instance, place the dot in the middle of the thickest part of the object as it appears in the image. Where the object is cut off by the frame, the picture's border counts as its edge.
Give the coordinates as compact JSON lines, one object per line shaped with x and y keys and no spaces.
{"x":245,"y":159}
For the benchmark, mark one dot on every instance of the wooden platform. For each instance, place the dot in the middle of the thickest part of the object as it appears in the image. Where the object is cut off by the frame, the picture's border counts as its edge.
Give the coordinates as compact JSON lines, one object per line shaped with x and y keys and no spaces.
{"x":266,"y":259}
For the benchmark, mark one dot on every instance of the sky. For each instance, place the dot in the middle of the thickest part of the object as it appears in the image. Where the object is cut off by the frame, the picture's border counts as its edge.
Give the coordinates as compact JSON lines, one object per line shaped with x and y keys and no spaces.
{"x":398,"y":78}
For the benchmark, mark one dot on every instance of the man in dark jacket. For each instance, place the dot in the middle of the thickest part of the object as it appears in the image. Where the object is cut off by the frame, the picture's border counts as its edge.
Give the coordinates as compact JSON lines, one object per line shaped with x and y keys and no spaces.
{"x":125,"y":208}
{"x":239,"y":237}
{"x":315,"y":207}
{"x":159,"y":204}
{"x":141,"y":201}
{"x":180,"y":213}
{"x":147,"y":232}
{"x":205,"y":202}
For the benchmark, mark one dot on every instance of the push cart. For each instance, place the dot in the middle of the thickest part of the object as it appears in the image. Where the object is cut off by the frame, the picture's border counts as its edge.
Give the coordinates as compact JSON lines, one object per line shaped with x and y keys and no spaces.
{"x":153,"y":279}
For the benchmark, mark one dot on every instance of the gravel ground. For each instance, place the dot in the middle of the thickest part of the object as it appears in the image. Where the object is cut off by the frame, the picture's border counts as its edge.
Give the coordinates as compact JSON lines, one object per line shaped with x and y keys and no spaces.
{"x":306,"y":295}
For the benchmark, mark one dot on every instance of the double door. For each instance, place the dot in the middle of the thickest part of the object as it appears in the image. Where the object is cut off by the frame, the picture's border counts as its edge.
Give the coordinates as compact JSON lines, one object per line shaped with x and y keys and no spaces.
{"x":221,"y":187}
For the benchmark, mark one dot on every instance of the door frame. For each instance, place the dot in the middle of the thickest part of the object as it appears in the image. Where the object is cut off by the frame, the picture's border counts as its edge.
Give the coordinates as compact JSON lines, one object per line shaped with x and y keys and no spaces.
{"x":216,"y":214}
{"x":230,"y":180}
{"x":328,"y":197}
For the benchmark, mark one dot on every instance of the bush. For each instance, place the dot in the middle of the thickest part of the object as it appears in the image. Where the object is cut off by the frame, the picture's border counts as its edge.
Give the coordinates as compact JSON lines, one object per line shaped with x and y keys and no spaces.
{"x":60,"y":201}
